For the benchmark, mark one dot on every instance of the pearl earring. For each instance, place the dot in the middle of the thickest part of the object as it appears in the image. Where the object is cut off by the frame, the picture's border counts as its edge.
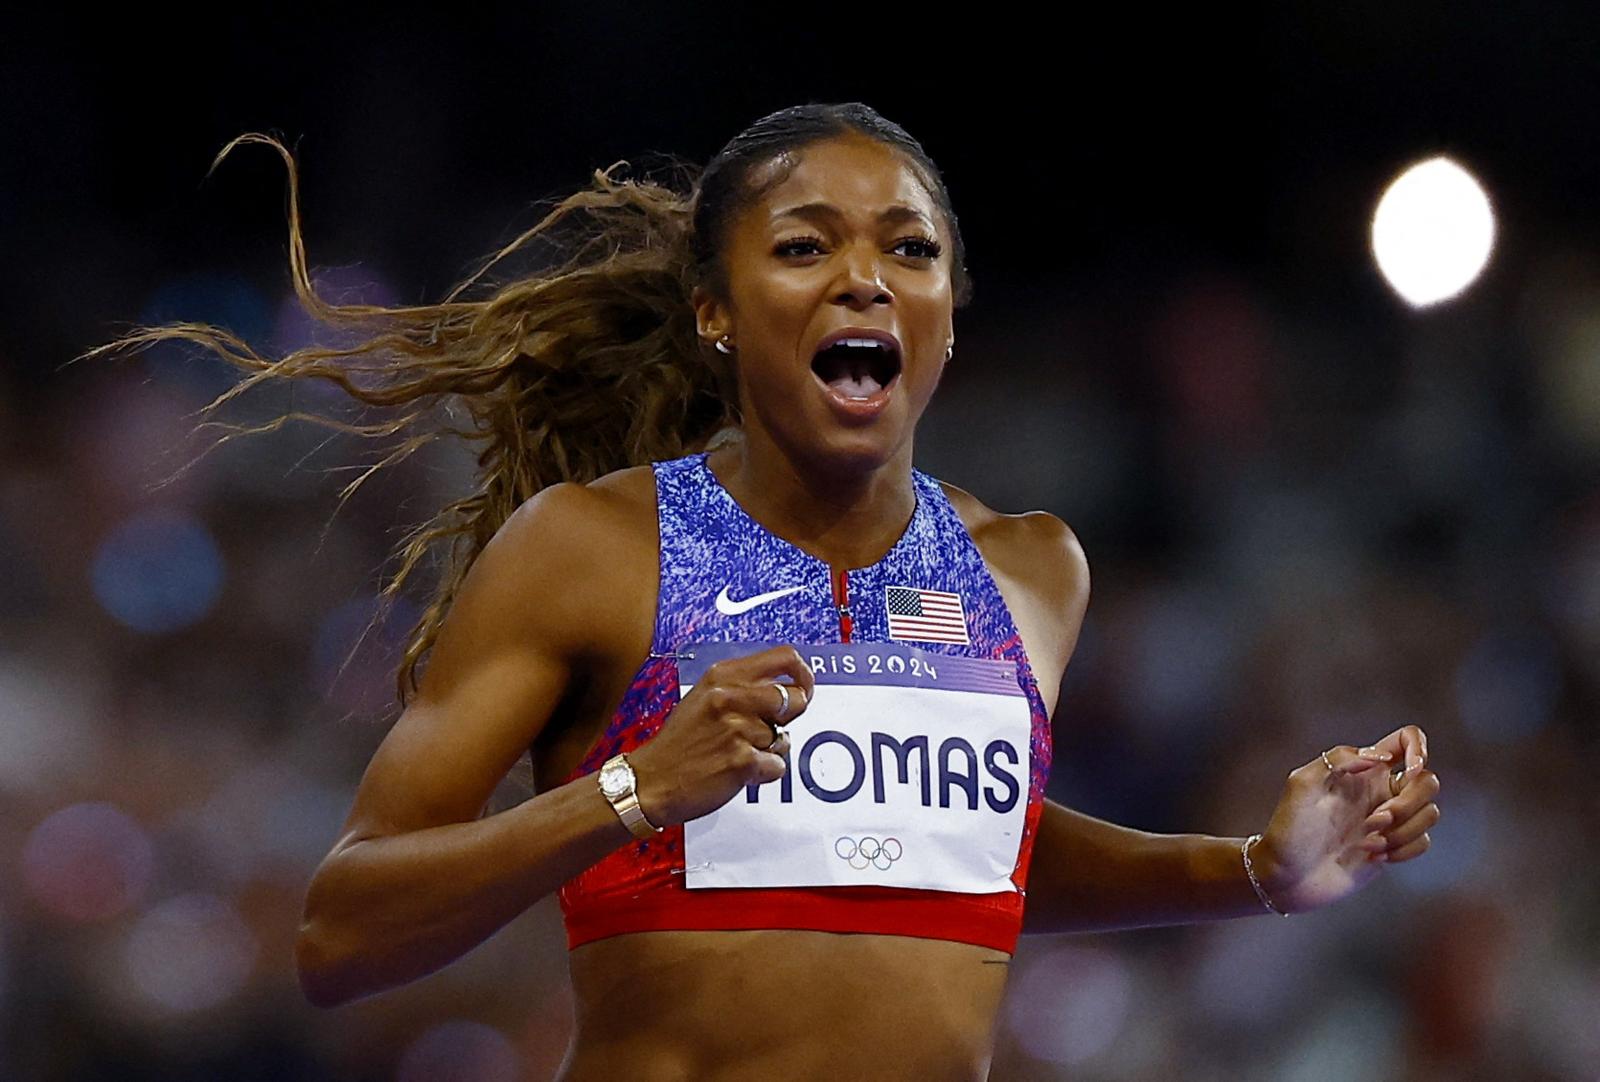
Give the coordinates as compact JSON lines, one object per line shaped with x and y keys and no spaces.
{"x":720,"y":345}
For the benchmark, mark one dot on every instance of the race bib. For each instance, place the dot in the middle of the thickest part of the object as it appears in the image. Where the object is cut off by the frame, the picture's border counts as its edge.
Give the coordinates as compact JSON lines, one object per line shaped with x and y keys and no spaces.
{"x":908,"y":769}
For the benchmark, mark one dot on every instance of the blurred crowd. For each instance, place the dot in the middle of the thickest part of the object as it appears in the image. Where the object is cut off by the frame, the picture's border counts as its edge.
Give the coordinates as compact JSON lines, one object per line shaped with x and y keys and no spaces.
{"x":1307,"y":526}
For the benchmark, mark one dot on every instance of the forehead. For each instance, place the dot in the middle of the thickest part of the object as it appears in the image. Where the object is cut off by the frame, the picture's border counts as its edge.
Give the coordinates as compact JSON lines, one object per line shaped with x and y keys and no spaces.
{"x":860,"y":176}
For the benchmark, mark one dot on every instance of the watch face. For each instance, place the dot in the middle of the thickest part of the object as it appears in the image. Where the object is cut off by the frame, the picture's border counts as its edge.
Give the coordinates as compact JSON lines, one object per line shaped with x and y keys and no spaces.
{"x":616,"y":780}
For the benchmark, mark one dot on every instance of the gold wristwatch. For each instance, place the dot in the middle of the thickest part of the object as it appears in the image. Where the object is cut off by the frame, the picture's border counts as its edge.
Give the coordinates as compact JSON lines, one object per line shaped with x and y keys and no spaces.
{"x":617,"y":784}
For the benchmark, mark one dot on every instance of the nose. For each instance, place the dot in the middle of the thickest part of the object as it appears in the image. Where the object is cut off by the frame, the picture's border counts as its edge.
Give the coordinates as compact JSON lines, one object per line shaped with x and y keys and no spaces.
{"x":861,"y":283}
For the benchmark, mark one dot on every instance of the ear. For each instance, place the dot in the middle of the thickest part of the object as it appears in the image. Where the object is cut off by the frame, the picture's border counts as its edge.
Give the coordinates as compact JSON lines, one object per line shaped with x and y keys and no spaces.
{"x":711,"y":316}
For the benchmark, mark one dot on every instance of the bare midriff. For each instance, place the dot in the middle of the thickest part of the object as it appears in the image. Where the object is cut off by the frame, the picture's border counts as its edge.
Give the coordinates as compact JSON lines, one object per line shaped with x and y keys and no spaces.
{"x":782,"y":1004}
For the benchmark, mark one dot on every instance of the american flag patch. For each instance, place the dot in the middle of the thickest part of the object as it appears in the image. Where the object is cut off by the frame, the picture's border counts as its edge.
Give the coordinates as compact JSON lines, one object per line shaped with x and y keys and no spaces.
{"x":928,"y":615}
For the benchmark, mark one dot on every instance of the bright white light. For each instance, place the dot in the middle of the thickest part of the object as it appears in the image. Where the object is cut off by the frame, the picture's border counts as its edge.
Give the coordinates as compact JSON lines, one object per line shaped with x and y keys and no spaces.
{"x":1432,"y":232}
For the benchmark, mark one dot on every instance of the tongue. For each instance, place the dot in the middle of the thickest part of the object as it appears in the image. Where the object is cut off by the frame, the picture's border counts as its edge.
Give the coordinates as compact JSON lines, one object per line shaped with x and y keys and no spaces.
{"x":856,"y":385}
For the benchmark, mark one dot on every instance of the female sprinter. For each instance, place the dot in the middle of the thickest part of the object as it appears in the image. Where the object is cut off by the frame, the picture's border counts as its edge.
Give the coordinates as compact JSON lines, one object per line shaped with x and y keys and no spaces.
{"x":699,"y":430}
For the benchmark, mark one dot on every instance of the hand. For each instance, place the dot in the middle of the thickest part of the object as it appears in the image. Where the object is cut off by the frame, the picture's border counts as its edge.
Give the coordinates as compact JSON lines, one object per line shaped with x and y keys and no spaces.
{"x":1333,"y":830}
{"x":723,"y":736}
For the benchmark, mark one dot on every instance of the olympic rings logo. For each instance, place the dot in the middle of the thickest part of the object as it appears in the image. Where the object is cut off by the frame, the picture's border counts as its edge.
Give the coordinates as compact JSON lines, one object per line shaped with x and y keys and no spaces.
{"x":868,"y":852}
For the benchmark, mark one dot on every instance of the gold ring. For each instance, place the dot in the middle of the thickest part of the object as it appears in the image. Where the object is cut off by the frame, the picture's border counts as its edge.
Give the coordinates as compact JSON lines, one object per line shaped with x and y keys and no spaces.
{"x":1327,"y":762}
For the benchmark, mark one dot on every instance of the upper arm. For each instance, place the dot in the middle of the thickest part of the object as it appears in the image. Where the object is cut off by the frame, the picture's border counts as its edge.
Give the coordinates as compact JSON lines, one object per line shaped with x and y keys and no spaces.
{"x":503,"y":659}
{"x":1059,"y":574}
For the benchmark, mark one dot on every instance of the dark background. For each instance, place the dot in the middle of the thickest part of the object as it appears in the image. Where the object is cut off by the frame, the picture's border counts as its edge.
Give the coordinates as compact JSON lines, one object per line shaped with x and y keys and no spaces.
{"x":1313,"y":513}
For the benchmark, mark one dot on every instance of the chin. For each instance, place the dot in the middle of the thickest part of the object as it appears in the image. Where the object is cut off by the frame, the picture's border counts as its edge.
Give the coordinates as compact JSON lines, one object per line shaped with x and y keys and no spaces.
{"x":852,"y":451}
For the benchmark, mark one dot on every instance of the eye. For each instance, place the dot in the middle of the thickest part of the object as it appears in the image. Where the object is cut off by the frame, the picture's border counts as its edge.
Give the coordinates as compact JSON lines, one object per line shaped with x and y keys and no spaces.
{"x":922,"y":247}
{"x":930,"y":248}
{"x":787,"y":247}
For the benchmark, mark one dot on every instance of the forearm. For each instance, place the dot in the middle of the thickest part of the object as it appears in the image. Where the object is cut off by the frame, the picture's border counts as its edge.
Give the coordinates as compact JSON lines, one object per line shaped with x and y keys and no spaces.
{"x":385,"y":911}
{"x":1090,"y":875}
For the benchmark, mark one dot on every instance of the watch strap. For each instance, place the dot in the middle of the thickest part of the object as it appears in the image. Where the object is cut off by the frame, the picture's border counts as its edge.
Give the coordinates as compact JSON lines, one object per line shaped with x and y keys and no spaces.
{"x":633,"y":816}
{"x":627,"y":805}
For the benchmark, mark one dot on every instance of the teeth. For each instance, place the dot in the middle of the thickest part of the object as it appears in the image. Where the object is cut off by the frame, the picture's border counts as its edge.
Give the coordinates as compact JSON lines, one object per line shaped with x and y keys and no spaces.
{"x":870,"y":343}
{"x":850,"y":375}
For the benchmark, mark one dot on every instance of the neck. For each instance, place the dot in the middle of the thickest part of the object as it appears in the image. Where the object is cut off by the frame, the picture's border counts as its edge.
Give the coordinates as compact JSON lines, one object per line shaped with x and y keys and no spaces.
{"x":845,"y":517}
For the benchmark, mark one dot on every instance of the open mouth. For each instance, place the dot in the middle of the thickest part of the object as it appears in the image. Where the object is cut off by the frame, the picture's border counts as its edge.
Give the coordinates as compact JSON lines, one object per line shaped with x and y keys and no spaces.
{"x":857,"y":367}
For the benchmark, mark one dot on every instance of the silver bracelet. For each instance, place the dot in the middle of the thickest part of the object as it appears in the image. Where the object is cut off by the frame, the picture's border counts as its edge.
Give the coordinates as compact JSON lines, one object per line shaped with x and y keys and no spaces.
{"x":1245,"y":850}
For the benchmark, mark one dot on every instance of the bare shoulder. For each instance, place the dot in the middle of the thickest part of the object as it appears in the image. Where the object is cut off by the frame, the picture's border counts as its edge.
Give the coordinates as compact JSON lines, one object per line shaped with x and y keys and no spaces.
{"x":612,"y":512}
{"x":618,"y":495}
{"x":1034,"y":547}
{"x":1039,"y":566}
{"x":575,"y":550}
{"x":634,"y":486}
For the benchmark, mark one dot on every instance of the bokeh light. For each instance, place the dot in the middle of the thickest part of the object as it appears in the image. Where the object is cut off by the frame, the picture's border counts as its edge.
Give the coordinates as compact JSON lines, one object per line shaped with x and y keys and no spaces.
{"x":1432,"y":232}
{"x":47,"y":723}
{"x":189,"y":953}
{"x":353,"y":659}
{"x":1070,"y":1004}
{"x":220,"y":300}
{"x":460,"y":1051}
{"x":87,"y":862}
{"x":1507,"y":685}
{"x":1352,"y":1031}
{"x":1246,"y":971}
{"x":270,"y":810}
{"x":158,"y":571}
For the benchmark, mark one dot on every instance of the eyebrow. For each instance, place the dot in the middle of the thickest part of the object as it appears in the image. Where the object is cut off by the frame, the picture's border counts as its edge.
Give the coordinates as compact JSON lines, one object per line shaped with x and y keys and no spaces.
{"x":897,"y":213}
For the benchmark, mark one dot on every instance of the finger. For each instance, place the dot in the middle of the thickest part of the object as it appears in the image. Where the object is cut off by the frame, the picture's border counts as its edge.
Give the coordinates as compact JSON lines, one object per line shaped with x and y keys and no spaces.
{"x":757,"y":730}
{"x":1407,"y":745}
{"x":1419,"y":792}
{"x":791,"y":702}
{"x":757,"y":702}
{"x":1347,"y":759}
{"x":1415,"y":744}
{"x":1413,"y":828}
{"x":1390,"y":746}
{"x":764,"y":666}
{"x":770,"y":765}
{"x":1408,"y":851}
{"x":739,"y":709}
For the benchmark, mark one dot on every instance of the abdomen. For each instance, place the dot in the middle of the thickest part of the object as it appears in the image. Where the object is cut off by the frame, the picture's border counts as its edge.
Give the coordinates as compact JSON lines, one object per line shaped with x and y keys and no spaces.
{"x":770,"y":1004}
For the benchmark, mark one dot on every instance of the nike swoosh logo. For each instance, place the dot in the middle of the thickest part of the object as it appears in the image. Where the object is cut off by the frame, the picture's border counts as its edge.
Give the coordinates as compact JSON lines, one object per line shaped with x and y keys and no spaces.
{"x":729,"y":607}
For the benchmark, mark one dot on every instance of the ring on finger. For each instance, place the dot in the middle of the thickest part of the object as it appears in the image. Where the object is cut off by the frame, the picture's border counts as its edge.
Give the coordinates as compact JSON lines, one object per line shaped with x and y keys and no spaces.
{"x":1394,"y":780}
{"x":778,"y":734}
{"x":1327,"y":762}
{"x":783,"y":707}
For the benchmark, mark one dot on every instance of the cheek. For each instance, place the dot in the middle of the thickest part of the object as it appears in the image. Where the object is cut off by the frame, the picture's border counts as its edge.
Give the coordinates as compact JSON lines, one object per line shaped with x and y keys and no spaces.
{"x":937,"y":284}
{"x":923,"y":392}
{"x":776,"y":299}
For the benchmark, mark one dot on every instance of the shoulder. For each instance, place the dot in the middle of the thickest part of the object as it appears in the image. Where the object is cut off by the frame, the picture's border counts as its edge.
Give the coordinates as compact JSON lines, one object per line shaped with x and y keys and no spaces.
{"x":576,"y":549}
{"x":1040,"y":569}
{"x":1035,"y":547}
{"x":1041,"y":572}
{"x":574,"y":516}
